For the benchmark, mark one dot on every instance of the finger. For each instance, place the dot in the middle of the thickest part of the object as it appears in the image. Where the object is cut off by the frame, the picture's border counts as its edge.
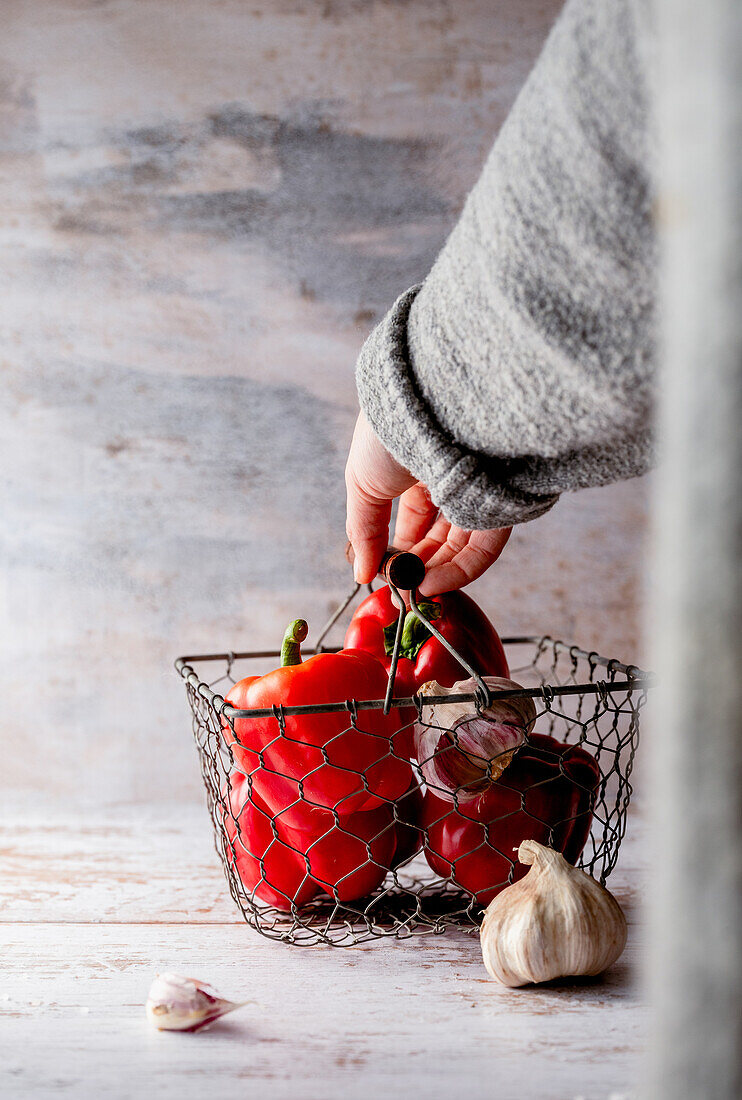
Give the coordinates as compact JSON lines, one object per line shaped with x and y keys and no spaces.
{"x":456,"y":539}
{"x":432,"y":542}
{"x":415,"y":515}
{"x":481,"y":550}
{"x":367,"y":527}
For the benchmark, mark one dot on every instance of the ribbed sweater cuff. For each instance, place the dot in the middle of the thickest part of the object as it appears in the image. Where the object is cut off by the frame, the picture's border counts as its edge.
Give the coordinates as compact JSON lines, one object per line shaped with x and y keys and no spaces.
{"x":471,"y":490}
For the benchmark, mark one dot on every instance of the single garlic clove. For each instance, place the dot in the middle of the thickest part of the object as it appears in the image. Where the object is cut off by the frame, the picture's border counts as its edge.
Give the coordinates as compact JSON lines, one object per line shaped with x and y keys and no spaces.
{"x":557,"y":922}
{"x":462,"y":750}
{"x":176,"y":1003}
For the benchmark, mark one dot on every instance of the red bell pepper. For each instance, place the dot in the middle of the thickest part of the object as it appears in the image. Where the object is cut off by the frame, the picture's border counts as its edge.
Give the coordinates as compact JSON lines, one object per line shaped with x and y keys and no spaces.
{"x":546,"y":794}
{"x":280,"y":866}
{"x":351,"y":859}
{"x":269,"y":870}
{"x":422,"y":657}
{"x":318,"y":763}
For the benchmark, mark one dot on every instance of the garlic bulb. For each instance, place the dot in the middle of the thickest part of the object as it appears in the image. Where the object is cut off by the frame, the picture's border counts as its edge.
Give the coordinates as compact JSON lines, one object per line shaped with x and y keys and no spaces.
{"x":557,"y":922}
{"x":185,"y":1004}
{"x":463,"y":750}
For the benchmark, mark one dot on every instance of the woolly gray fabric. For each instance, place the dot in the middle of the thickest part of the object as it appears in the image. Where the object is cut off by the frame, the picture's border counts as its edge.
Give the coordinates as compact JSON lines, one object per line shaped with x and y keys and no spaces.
{"x":523,"y":365}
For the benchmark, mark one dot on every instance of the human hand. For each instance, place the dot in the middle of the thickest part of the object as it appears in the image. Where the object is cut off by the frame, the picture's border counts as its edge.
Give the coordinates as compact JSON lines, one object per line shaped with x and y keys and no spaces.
{"x":373,"y":479}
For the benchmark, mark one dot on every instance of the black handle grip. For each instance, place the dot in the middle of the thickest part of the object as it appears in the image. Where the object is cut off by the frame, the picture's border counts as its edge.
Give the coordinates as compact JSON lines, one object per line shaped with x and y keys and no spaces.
{"x":402,"y":569}
{"x":398,"y":567}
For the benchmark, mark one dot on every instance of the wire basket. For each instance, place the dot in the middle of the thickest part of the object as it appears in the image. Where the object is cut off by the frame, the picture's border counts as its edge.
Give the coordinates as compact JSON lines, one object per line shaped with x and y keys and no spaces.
{"x":583,"y":701}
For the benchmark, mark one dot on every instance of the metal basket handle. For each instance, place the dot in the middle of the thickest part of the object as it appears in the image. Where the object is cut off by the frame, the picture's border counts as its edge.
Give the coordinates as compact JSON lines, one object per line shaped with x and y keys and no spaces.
{"x":403,"y":570}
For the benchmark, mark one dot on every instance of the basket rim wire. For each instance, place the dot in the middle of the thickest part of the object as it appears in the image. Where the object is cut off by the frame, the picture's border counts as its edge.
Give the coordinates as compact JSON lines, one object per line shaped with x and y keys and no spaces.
{"x":636,"y":679}
{"x":421,"y":904}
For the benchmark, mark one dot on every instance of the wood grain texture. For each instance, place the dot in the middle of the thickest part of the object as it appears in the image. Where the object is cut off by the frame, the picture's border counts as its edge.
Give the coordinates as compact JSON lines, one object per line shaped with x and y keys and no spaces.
{"x":207,"y":205}
{"x":419,"y":1019}
{"x":413,"y":1018}
{"x":148,"y":868}
{"x":133,"y":869}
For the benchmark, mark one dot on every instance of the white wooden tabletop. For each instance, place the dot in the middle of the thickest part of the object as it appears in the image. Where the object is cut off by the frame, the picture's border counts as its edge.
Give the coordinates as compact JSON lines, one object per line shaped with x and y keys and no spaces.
{"x":91,"y":912}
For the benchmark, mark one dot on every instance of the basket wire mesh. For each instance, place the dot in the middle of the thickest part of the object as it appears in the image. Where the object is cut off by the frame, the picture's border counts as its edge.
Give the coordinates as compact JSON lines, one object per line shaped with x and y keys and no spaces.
{"x":582,"y":699}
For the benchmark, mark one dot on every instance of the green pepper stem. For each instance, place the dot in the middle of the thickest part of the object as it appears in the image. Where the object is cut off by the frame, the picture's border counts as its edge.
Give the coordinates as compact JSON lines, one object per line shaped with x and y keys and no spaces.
{"x":295,"y":634}
{"x":414,"y":632}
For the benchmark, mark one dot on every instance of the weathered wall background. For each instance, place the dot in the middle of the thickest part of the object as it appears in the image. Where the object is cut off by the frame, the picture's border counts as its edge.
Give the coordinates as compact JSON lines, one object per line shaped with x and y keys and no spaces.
{"x":205,"y":205}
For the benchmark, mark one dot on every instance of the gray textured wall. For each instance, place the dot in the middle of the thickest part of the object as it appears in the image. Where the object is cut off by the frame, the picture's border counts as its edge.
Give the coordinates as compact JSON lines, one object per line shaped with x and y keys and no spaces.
{"x":205,"y":207}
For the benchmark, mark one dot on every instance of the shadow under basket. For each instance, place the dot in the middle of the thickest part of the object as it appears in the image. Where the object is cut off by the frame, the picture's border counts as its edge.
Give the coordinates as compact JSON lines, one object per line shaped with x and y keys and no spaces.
{"x":581,"y":699}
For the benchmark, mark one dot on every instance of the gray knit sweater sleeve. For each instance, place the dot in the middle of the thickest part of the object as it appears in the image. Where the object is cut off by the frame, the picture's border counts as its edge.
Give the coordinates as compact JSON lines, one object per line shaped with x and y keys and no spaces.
{"x":523,"y":365}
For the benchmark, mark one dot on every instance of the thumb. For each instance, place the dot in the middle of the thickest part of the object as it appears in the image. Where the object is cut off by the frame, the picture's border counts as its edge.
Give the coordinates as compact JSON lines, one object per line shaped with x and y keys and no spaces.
{"x":367,"y":527}
{"x":373,"y":479}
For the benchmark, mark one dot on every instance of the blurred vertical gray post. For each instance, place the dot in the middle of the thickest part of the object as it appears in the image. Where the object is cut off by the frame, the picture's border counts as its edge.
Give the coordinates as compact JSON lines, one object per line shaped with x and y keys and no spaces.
{"x":696,"y":928}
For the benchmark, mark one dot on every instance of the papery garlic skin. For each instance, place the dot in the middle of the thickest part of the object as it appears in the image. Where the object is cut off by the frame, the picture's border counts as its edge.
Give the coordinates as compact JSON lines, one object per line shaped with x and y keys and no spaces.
{"x":557,"y":922}
{"x":461,"y":750}
{"x":176,"y":1003}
